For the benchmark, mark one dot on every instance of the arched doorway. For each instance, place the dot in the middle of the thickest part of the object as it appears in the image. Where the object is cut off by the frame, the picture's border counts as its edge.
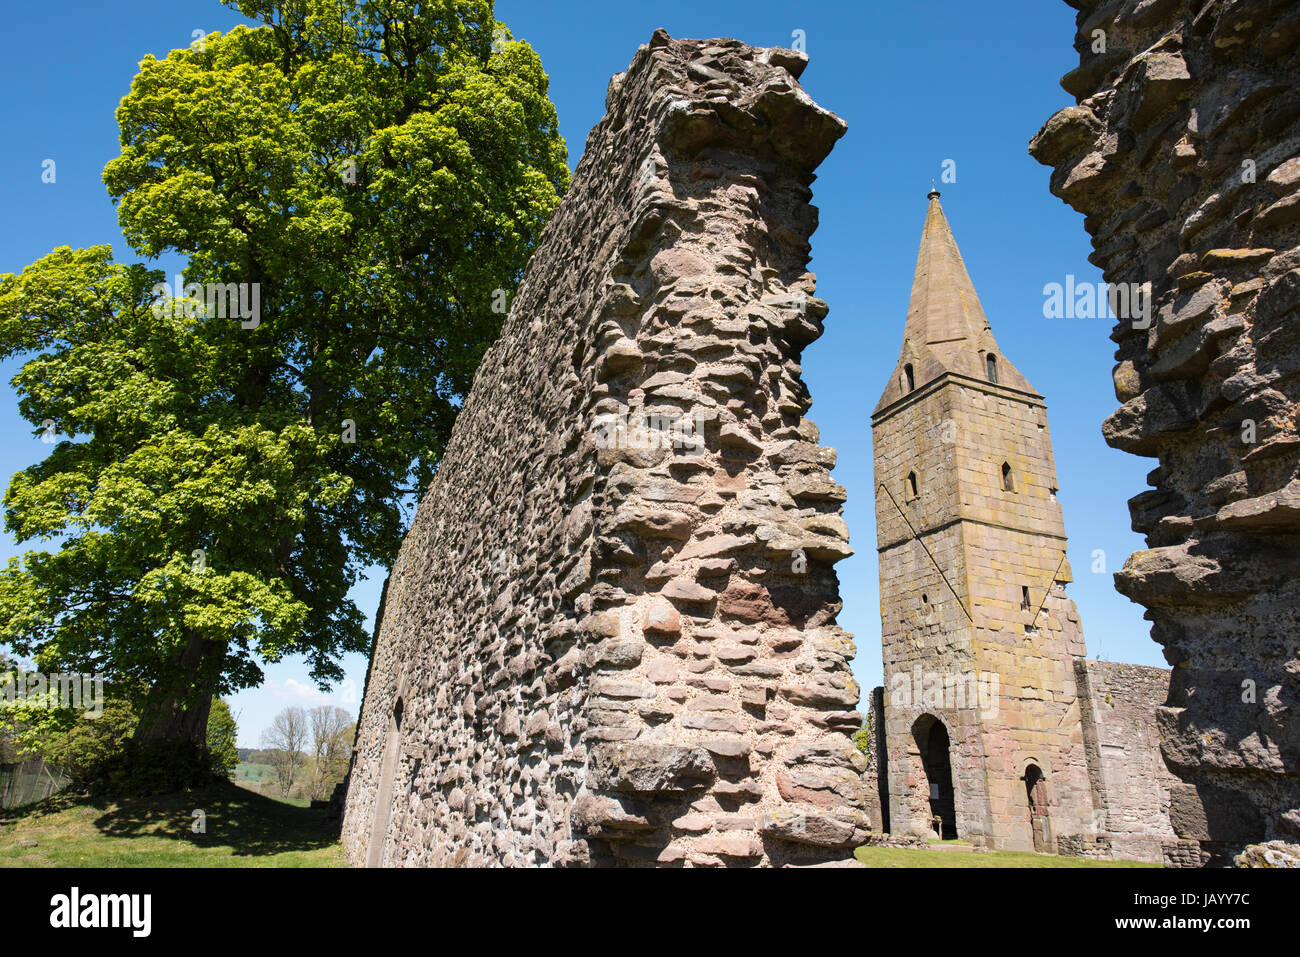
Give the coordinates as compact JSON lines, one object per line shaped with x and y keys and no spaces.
{"x":384,"y":796}
{"x":1039,"y":822}
{"x":932,"y":743}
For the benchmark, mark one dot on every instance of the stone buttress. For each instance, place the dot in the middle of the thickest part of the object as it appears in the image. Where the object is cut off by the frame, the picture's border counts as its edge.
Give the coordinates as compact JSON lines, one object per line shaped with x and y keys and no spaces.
{"x":610,"y":635}
{"x":1183,"y":153}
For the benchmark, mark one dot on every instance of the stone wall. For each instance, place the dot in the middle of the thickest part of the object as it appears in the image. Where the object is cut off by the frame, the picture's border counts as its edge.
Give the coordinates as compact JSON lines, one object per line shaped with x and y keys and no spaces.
{"x":1182,"y":153}
{"x":1130,"y":782}
{"x":610,"y":635}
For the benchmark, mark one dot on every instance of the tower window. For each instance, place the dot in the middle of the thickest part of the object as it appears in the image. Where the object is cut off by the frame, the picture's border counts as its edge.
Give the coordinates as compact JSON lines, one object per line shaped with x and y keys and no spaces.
{"x":909,"y":377}
{"x":911,"y":491}
{"x":1008,"y":480}
{"x":1024,"y":598}
{"x":991,"y":365}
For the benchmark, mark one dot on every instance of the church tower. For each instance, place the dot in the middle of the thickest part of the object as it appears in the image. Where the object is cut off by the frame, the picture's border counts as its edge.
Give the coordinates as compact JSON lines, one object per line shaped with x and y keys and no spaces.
{"x":983,"y":732}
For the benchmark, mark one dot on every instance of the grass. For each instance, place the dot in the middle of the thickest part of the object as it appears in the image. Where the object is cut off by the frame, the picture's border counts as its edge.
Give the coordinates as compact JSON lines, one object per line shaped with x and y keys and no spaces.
{"x":918,"y":857}
{"x":244,"y":829}
{"x":262,"y":779}
{"x":246,"y":773}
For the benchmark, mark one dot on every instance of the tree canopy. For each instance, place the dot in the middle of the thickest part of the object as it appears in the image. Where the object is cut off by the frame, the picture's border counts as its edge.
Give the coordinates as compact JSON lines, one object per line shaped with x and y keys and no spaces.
{"x":354,"y":185}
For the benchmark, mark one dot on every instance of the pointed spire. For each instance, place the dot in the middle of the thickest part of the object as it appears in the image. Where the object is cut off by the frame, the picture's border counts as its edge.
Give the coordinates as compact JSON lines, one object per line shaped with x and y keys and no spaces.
{"x":944,"y":306}
{"x":946,"y":329}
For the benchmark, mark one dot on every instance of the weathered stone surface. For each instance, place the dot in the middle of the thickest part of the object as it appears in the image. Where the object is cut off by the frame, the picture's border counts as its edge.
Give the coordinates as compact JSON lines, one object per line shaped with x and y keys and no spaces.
{"x":1271,"y":854}
{"x":605,"y":816}
{"x":593,"y":611}
{"x":815,"y":826}
{"x":1130,"y":783}
{"x":1195,"y":141}
{"x":648,"y":767}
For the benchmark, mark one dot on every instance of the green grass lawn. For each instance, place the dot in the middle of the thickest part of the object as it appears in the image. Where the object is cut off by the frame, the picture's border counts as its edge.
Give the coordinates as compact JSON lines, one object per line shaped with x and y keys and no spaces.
{"x":918,"y":857}
{"x":244,"y":829}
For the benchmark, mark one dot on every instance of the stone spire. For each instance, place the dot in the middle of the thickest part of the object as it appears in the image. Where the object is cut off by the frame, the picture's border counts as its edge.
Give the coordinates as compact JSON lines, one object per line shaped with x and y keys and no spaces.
{"x":946,"y":330}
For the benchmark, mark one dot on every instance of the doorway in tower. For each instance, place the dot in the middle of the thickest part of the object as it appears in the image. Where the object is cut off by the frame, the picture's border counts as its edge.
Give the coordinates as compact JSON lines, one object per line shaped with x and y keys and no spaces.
{"x":1039,"y":822}
{"x":932,"y":743}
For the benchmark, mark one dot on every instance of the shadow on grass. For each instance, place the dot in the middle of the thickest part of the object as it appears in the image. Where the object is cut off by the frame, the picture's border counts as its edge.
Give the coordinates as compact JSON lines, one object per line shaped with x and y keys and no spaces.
{"x":248,"y":823}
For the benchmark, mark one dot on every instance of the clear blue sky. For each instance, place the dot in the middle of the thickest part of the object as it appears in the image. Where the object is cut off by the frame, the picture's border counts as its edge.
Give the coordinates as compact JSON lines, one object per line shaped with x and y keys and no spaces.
{"x":918,"y":82}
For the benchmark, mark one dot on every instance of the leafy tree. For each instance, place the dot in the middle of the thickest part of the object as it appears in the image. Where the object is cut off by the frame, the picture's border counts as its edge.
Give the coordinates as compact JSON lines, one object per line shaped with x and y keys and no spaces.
{"x":9,"y":753}
{"x":370,"y":173}
{"x":81,"y":742}
{"x":222,"y":734}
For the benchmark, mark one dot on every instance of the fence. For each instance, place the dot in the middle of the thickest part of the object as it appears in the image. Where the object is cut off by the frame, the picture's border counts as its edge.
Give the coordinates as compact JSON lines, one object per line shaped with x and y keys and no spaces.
{"x":29,"y":781}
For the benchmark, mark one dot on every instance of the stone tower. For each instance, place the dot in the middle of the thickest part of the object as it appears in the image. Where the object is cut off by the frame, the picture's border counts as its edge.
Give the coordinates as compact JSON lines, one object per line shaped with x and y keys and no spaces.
{"x":983,"y":730}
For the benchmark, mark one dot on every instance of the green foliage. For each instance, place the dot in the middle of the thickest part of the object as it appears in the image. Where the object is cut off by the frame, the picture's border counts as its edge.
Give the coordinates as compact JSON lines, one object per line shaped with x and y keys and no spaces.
{"x":862,"y":738}
{"x":9,"y":753}
{"x":80,"y":743}
{"x":375,"y":170}
{"x":222,"y":733}
{"x":94,"y":746}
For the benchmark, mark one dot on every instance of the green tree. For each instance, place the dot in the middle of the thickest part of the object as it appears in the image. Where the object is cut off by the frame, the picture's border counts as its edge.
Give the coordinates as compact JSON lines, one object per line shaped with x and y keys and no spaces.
{"x":862,"y":739}
{"x":222,"y":734}
{"x":370,"y":176}
{"x":80,"y":742}
{"x":9,"y":753}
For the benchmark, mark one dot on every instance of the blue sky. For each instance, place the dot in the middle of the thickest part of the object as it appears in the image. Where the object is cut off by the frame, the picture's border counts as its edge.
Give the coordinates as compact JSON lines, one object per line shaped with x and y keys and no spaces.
{"x":919,"y":83}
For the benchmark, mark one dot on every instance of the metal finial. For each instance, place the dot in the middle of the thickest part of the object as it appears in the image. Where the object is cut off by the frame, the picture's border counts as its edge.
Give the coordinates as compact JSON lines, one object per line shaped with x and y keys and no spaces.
{"x":934,"y":193}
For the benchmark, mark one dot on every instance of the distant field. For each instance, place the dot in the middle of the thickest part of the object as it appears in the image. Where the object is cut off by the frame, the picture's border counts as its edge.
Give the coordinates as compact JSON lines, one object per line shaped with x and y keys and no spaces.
{"x":253,"y":774}
{"x":244,"y":829}
{"x":261,"y":778}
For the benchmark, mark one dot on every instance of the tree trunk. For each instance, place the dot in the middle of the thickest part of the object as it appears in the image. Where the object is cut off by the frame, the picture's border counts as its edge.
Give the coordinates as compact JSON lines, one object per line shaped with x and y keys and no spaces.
{"x":176,"y":710}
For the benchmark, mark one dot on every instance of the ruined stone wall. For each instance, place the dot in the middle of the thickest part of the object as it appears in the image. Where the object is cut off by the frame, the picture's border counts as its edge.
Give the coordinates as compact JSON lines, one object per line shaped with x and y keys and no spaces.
{"x":610,"y":634}
{"x":1129,"y":779}
{"x":1182,"y":153}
